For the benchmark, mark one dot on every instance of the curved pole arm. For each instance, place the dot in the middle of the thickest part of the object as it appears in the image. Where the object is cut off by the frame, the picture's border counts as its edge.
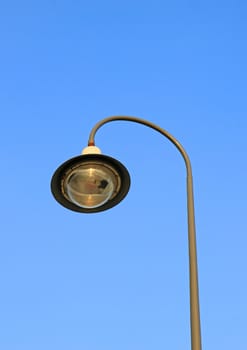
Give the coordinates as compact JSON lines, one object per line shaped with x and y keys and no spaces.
{"x":193,"y":273}
{"x":144,"y":122}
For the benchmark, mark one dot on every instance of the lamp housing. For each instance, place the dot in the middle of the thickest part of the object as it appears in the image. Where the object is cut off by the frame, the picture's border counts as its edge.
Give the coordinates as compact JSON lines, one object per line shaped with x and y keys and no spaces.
{"x":90,"y":183}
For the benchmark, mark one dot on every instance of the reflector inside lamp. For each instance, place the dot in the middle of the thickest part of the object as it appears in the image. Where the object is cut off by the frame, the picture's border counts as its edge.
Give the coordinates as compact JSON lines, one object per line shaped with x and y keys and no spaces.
{"x":90,"y":185}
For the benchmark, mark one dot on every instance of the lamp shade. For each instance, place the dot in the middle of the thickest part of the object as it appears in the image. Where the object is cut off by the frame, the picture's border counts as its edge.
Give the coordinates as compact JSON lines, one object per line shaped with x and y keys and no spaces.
{"x":90,"y":183}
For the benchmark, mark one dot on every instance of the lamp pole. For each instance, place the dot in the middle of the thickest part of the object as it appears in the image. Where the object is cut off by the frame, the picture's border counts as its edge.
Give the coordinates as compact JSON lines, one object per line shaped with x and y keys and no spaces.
{"x":193,"y":270}
{"x":93,"y":182}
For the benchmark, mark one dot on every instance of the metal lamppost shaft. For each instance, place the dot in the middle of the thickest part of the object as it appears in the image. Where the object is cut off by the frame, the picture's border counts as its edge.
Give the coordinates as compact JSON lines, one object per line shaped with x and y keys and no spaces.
{"x":194,"y":292}
{"x":193,"y":273}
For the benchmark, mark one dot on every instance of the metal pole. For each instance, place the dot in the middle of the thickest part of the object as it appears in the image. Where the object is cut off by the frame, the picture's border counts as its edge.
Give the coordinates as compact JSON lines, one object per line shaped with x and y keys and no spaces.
{"x":193,"y":273}
{"x":194,"y":292}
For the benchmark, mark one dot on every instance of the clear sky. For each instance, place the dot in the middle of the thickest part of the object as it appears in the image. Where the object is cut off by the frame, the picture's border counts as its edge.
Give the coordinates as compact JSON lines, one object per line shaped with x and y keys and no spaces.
{"x":118,"y":280}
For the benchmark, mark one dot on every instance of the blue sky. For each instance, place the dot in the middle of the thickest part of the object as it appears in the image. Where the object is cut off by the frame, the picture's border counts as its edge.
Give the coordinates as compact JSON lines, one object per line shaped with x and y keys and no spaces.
{"x":119,"y":279}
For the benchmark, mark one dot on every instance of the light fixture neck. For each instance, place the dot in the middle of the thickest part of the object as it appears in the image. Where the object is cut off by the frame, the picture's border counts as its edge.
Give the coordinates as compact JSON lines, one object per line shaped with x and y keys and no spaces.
{"x":91,"y":150}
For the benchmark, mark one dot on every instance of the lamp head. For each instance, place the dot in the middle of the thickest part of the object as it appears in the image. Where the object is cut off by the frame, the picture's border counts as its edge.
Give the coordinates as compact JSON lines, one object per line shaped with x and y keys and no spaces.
{"x":90,"y":183}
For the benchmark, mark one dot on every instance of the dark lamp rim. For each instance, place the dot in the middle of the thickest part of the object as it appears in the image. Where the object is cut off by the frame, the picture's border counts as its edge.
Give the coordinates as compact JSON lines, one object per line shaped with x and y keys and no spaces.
{"x":59,"y":176}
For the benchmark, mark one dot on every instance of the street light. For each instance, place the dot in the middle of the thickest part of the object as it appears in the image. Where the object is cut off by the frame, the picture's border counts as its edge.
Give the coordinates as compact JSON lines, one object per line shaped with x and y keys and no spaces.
{"x":93,"y":182}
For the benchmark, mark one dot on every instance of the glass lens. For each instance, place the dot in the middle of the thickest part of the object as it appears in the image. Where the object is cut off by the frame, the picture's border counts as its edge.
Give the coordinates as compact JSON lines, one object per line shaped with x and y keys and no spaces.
{"x":90,"y":185}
